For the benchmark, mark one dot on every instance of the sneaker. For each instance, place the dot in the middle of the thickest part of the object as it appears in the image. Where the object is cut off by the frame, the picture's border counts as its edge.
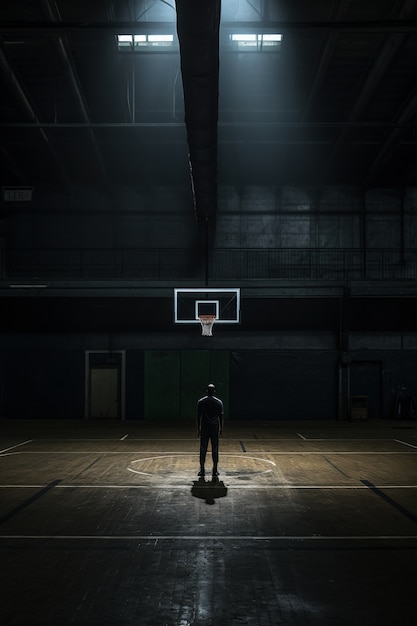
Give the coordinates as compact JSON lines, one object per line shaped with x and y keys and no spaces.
{"x":202,"y":473}
{"x":215,"y":473}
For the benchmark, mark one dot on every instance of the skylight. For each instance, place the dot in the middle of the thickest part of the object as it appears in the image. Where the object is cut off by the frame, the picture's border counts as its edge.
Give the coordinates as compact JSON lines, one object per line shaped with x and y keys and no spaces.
{"x":251,"y":41}
{"x":132,"y":43}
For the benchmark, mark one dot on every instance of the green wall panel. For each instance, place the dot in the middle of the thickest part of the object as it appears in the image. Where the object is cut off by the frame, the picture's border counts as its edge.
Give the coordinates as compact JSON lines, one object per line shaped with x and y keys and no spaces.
{"x":162,"y":384}
{"x":195,"y":374}
{"x":220,"y":376}
{"x":198,"y":368}
{"x":175,"y":379}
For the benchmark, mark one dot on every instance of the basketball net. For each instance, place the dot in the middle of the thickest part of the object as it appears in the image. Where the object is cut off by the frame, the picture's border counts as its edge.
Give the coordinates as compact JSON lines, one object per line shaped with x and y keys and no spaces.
{"x":207,"y":322}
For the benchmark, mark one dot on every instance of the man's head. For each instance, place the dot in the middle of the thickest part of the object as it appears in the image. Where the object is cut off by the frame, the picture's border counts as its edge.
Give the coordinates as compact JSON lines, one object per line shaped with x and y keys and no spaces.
{"x":211,"y":389}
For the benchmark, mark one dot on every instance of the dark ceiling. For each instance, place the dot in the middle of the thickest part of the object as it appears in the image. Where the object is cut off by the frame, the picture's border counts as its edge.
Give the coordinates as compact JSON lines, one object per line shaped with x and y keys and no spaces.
{"x":334,"y":104}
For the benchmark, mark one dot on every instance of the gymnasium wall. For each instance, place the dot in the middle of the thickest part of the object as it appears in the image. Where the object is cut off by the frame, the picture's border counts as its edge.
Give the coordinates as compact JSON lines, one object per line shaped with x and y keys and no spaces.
{"x":151,"y":234}
{"x":285,"y":376}
{"x":304,"y":247}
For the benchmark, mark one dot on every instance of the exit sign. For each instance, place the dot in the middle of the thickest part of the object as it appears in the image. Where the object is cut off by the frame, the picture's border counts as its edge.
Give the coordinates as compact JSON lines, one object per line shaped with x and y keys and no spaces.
{"x":17,"y":194}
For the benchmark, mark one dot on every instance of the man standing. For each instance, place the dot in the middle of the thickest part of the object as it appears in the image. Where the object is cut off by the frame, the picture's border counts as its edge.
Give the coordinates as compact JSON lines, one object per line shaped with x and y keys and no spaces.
{"x":209,"y":427}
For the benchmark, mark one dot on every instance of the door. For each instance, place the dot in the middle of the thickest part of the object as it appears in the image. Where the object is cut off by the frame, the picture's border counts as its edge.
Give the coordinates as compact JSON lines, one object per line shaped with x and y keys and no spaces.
{"x":366,"y":380}
{"x":104,"y":385}
{"x":104,"y":392}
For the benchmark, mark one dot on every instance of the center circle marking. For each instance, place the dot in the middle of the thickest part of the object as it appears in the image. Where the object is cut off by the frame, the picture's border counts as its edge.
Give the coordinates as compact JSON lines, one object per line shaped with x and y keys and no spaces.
{"x":154,"y":459}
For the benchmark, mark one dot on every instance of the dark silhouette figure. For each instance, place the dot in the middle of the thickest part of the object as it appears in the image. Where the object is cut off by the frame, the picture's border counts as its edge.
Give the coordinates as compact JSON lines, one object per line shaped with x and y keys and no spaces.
{"x":209,"y":427}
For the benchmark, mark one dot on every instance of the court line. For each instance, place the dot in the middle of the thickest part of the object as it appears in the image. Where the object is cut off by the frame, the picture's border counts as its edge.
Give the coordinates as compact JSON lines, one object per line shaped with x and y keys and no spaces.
{"x":16,"y":446}
{"x":225,"y":438}
{"x":388,"y":439}
{"x":52,"y":439}
{"x":232,"y":456}
{"x":239,"y":486}
{"x":175,"y":452}
{"x":405,"y":443}
{"x":315,"y":538}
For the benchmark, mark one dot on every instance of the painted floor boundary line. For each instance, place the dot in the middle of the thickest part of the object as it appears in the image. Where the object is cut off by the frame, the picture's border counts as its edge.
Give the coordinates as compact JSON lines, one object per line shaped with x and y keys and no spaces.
{"x":130,"y":439}
{"x":293,"y":437}
{"x":310,"y":439}
{"x":175,"y":452}
{"x":155,"y":538}
{"x":23,"y":443}
{"x":404,"y":443}
{"x":239,"y":486}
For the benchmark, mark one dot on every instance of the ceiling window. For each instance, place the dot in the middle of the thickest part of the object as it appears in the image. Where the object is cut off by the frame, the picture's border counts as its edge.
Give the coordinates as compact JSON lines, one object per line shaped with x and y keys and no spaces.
{"x":136,"y":43}
{"x":256,"y":42}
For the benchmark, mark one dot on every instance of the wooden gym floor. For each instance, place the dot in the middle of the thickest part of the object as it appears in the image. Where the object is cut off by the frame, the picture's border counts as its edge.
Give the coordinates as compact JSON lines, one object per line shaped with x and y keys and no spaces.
{"x":106,"y":523}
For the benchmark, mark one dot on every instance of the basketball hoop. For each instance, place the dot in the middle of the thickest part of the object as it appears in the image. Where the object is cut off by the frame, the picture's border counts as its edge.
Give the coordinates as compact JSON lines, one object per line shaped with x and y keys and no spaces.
{"x":207,"y":322}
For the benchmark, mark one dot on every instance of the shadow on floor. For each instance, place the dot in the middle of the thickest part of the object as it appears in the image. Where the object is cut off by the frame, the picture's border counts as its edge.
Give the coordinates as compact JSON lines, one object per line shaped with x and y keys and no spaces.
{"x":209,"y":490}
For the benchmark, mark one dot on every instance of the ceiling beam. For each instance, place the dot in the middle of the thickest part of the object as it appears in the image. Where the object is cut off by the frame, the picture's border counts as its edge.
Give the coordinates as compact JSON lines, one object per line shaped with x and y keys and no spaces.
{"x":14,"y":82}
{"x":383,"y":59}
{"x":66,"y":55}
{"x":326,"y":57}
{"x":198,"y":33}
{"x":236,"y":125}
{"x":115,"y":27}
{"x":386,"y":150}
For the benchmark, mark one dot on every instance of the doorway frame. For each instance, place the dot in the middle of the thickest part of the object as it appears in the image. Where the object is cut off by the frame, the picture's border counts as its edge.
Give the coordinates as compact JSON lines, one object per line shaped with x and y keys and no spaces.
{"x":120,"y":362}
{"x":364,"y":362}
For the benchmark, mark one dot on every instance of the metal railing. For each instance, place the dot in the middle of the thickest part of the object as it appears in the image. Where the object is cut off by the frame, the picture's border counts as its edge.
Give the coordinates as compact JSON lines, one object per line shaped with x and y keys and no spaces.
{"x":224,"y":264}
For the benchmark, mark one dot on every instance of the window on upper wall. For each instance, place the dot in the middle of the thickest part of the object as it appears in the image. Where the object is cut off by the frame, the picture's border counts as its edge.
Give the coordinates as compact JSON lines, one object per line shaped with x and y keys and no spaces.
{"x":138,"y":43}
{"x":256,"y":42}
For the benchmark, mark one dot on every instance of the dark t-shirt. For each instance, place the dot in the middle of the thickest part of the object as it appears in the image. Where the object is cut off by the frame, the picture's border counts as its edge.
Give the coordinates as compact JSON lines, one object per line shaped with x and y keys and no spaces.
{"x":210,"y":410}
